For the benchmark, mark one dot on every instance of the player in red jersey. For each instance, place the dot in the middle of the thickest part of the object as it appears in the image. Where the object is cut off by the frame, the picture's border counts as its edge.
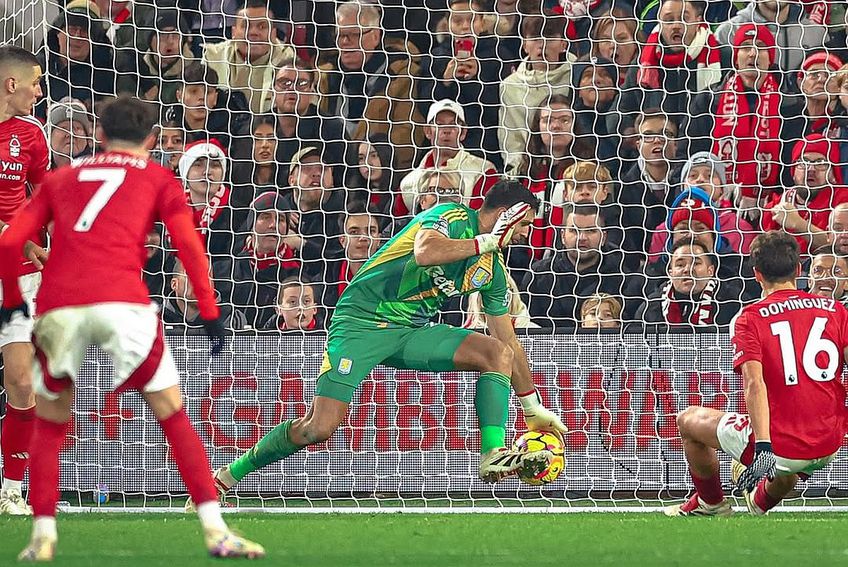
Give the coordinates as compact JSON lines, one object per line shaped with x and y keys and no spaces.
{"x":102,"y":208}
{"x":24,"y":160}
{"x":790,"y":348}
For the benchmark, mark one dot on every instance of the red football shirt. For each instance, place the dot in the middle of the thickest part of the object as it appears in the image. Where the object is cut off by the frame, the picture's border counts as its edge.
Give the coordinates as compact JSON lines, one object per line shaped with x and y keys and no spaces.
{"x":799,"y":339}
{"x":24,"y":158}
{"x":817,"y":211}
{"x":102,"y":208}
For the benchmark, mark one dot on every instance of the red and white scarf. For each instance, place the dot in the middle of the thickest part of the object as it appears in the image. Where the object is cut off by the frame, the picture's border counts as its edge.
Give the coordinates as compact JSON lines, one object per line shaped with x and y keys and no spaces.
{"x":698,"y":313}
{"x":746,"y":139}
{"x":704,"y":49}
{"x":284,"y":257}
{"x":205,"y":215}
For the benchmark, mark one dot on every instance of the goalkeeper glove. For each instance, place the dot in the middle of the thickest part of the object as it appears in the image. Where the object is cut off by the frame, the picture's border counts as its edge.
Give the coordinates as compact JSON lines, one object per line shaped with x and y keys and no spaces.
{"x":763,"y":465}
{"x":215,"y":331}
{"x":502,"y":232}
{"x":6,"y":313}
{"x":538,"y":417}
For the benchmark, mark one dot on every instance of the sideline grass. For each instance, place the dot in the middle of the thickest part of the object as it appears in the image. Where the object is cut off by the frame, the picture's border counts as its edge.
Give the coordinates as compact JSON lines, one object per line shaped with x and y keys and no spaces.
{"x":441,"y":540}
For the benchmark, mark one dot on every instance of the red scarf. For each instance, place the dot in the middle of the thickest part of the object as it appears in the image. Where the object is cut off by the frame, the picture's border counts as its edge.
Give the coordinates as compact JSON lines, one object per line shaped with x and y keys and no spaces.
{"x":678,"y":312}
{"x":284,"y":257}
{"x":656,"y":56}
{"x":747,"y":139}
{"x":344,"y":277}
{"x":204,"y":216}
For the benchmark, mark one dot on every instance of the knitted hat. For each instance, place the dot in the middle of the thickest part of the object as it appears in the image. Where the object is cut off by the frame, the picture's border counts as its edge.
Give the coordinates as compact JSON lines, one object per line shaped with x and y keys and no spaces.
{"x":816,"y":143}
{"x":705,"y":158}
{"x":693,"y":209}
{"x":755,"y":32}
{"x":197,"y":150}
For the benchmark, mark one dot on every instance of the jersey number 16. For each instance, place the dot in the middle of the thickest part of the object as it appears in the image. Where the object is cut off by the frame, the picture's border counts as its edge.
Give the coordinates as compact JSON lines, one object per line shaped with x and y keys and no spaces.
{"x":815,"y":344}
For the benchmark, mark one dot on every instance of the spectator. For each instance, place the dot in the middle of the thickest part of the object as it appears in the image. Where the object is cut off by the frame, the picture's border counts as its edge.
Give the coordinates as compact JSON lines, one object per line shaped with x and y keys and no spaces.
{"x":164,"y":58}
{"x":159,"y":265}
{"x":247,"y":62}
{"x":838,"y":229}
{"x":318,"y":205}
{"x":170,"y":146}
{"x":615,"y":37}
{"x":692,"y":296}
{"x":586,"y":265}
{"x":211,"y":21}
{"x":370,"y":84}
{"x":250,"y":279}
{"x":600,"y":311}
{"x":469,"y":70}
{"x":742,"y":123}
{"x":704,"y":178}
{"x":359,"y":239}
{"x":545,"y":71}
{"x":651,"y":185}
{"x":819,"y":105}
{"x":205,"y":112}
{"x":375,"y":177}
{"x":828,"y":275}
{"x":296,"y":308}
{"x":839,"y":86}
{"x":595,"y":85}
{"x":180,"y":308}
{"x":509,"y":18}
{"x":255,"y":170}
{"x":680,"y":58}
{"x":796,"y":34}
{"x":299,"y":123}
{"x":446,"y":129}
{"x":434,"y":187}
{"x":475,"y":317}
{"x":805,"y":209}
{"x":586,"y":183}
{"x":129,"y":25}
{"x":203,"y":169}
{"x":78,"y":60}
{"x":70,"y":132}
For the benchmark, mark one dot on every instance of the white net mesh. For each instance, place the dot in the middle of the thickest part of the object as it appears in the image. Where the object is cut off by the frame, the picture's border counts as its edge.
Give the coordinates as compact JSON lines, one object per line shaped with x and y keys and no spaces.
{"x":308,"y":133}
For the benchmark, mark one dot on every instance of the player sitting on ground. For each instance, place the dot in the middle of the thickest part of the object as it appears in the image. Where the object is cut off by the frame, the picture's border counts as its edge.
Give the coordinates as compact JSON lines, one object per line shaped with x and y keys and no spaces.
{"x":103,"y":207}
{"x":383,"y":317}
{"x":790,"y":348}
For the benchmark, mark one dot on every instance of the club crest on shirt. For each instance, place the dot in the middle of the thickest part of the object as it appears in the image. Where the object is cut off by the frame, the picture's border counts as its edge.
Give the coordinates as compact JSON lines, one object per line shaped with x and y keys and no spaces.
{"x":345,"y":366}
{"x":442,"y":226}
{"x":14,"y":146}
{"x":480,"y":277}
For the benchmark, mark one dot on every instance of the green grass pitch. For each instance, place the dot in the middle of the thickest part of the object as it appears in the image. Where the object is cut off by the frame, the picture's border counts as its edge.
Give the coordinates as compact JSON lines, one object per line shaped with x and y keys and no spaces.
{"x":442,"y":540}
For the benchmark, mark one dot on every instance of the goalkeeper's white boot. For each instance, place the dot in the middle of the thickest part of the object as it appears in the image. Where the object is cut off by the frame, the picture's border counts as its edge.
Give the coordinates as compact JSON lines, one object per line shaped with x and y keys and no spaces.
{"x":12,"y":503}
{"x":40,"y":548}
{"x":223,"y":482}
{"x":500,"y":463}
{"x":736,"y":470}
{"x":227,"y":545}
{"x":697,"y":507}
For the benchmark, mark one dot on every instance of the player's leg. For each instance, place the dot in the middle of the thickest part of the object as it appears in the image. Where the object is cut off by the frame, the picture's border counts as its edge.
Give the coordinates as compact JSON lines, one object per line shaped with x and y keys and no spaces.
{"x":17,"y":427}
{"x":698,"y":427}
{"x":768,"y":493}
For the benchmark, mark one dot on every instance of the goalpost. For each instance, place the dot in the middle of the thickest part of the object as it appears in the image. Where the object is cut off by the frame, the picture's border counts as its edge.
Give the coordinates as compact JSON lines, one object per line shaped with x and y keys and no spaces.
{"x":410,"y":442}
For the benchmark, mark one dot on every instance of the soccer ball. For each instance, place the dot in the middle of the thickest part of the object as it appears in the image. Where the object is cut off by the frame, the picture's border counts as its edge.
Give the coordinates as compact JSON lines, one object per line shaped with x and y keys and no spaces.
{"x":539,"y":441}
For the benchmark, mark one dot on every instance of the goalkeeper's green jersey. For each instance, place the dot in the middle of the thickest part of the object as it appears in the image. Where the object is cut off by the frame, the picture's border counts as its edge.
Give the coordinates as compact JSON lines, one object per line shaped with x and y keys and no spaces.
{"x":391,"y":290}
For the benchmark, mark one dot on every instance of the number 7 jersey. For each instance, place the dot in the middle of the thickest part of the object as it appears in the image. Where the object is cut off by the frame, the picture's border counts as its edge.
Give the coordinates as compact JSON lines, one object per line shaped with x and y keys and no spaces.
{"x":799,"y":339}
{"x":102,"y":208}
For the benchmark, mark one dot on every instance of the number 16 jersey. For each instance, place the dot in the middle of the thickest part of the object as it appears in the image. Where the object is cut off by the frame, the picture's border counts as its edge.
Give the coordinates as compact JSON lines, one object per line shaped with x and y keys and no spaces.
{"x":799,"y":339}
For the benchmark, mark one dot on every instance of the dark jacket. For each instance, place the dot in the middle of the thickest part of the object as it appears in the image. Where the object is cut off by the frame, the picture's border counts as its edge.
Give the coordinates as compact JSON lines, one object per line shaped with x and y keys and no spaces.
{"x":554,"y":289}
{"x":230,"y":318}
{"x":311,"y":128}
{"x":230,"y":115}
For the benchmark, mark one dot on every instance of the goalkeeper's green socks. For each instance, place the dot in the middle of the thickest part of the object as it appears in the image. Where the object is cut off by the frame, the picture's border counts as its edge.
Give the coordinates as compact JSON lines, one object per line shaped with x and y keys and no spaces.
{"x":491,"y":401}
{"x":275,"y":446}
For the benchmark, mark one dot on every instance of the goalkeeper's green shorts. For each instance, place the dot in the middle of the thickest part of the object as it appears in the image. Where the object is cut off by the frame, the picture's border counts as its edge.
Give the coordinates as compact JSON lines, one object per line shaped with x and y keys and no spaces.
{"x":354,"y":350}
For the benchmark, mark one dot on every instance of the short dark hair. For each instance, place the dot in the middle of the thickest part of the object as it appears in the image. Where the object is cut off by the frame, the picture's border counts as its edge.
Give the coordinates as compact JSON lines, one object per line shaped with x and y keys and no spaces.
{"x":295,"y":281}
{"x":12,"y":56}
{"x":354,"y":209}
{"x":590,"y":209}
{"x":245,"y":4}
{"x":196,"y":73}
{"x":128,"y":119}
{"x":684,"y":242}
{"x":508,"y":192}
{"x":776,"y":255}
{"x":656,"y":114}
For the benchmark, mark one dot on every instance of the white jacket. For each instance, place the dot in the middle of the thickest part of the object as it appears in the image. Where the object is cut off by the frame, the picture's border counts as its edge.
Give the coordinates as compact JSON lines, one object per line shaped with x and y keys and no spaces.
{"x":469,"y":167}
{"x":521,"y":95}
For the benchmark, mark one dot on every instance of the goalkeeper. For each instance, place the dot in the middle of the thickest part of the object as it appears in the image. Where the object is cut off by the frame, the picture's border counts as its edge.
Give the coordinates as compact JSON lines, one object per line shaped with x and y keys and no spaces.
{"x":383,"y":317}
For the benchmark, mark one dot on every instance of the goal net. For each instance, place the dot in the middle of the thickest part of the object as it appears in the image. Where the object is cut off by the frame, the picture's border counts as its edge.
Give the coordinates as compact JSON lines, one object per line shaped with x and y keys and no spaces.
{"x":307,"y":135}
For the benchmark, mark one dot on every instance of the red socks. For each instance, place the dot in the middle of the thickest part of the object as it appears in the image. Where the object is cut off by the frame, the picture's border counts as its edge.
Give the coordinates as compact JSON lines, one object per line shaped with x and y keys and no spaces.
{"x":709,"y":489}
{"x":190,"y":456}
{"x":16,"y":434}
{"x":763,"y":499}
{"x":44,"y":466}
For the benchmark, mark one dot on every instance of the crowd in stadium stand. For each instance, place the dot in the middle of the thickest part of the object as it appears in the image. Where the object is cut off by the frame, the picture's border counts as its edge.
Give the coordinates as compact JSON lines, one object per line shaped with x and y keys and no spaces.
{"x":660,"y":135}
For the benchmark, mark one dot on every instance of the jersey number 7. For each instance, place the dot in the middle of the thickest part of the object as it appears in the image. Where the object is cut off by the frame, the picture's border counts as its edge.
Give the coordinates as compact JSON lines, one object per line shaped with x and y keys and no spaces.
{"x":110,"y":179}
{"x":815,"y":344}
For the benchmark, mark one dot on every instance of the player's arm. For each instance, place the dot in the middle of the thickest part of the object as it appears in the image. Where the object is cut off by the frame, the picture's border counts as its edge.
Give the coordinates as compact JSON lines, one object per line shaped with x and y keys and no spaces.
{"x":537,"y":416}
{"x":756,"y":399}
{"x":434,"y":247}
